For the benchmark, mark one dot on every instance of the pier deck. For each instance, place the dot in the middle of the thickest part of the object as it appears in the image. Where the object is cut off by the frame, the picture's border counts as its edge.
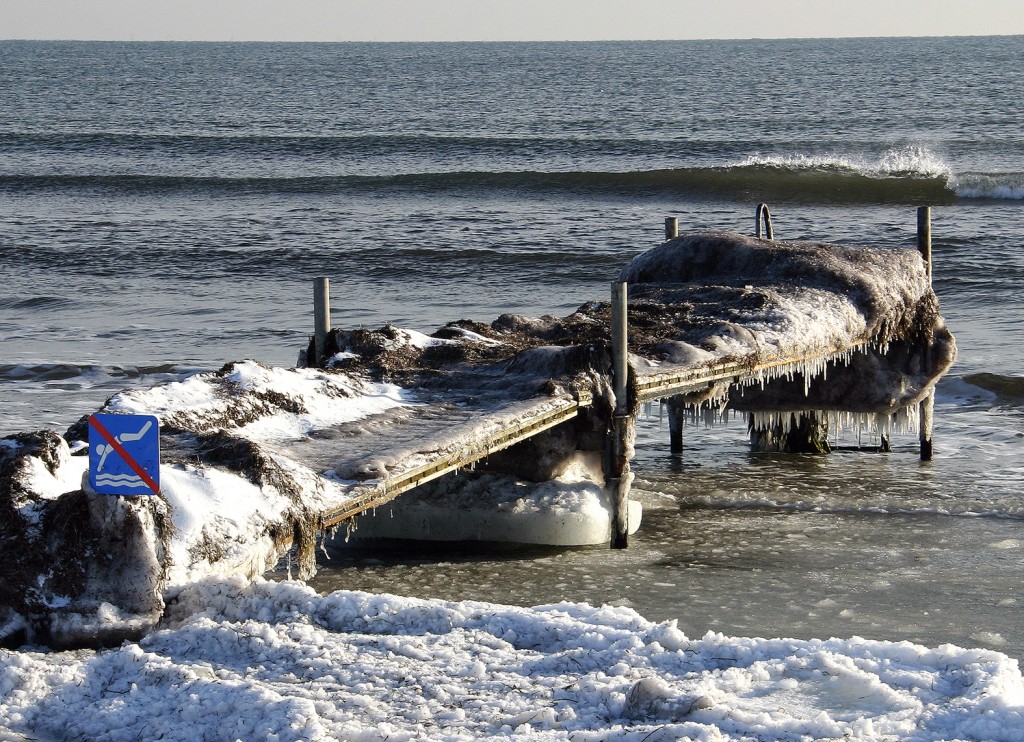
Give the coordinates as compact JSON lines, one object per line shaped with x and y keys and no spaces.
{"x":421,"y":443}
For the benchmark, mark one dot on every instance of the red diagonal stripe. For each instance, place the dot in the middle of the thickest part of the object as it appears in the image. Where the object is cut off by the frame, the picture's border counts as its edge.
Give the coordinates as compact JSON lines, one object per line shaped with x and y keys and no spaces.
{"x":143,"y":474}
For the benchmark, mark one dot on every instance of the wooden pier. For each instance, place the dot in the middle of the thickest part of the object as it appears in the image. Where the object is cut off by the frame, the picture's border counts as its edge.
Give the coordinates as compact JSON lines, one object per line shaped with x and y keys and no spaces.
{"x":797,"y":336}
{"x":634,"y":381}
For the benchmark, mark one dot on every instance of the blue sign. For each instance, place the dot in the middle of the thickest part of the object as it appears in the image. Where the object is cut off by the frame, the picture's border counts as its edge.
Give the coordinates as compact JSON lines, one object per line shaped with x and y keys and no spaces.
{"x":124,"y":454}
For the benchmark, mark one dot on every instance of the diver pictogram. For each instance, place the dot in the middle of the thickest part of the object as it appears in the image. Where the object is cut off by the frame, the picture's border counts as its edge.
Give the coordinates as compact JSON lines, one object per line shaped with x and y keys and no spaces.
{"x":124,"y":454}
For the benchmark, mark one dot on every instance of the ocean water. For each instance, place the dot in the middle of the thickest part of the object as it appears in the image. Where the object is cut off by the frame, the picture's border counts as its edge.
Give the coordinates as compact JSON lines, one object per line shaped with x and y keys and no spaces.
{"x":164,"y":207}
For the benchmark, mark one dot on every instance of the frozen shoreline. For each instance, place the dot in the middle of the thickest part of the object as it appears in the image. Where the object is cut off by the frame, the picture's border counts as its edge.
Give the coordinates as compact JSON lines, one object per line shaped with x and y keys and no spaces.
{"x":278,"y":661}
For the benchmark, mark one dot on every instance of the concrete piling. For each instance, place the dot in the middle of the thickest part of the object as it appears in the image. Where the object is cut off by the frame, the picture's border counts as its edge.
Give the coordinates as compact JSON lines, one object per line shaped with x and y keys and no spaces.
{"x":321,"y":317}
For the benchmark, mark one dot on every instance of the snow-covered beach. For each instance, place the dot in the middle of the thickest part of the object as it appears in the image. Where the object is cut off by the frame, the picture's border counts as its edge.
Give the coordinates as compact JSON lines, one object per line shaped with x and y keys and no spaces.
{"x":277,"y":661}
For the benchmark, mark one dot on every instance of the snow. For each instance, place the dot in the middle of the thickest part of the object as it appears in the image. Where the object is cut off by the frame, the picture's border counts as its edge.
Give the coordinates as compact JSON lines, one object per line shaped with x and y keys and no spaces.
{"x":316,"y":399}
{"x":809,"y":298}
{"x":67,"y":477}
{"x":277,"y":661}
{"x":215,"y":506}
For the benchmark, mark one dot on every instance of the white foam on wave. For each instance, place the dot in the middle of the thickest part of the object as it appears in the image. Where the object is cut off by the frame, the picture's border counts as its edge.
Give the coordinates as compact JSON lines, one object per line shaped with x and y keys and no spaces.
{"x":910,"y":160}
{"x":913,"y":160}
{"x":1002,"y":186}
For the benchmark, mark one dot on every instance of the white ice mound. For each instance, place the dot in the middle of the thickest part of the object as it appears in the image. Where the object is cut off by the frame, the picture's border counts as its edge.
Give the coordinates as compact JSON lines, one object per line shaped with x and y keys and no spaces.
{"x":100,"y":568}
{"x":570,"y":510}
{"x":739,"y":295}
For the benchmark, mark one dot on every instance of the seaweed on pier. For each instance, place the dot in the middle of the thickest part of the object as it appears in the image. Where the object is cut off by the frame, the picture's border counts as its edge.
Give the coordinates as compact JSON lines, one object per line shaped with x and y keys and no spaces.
{"x":251,"y":461}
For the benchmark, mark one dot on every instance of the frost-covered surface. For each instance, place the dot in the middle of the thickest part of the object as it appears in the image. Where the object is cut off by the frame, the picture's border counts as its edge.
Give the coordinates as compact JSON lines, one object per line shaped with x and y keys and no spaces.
{"x":278,"y":661}
{"x":259,"y":402}
{"x":234,"y":513}
{"x":460,"y":433}
{"x":851,"y":335}
{"x":787,"y":298}
{"x":253,"y":460}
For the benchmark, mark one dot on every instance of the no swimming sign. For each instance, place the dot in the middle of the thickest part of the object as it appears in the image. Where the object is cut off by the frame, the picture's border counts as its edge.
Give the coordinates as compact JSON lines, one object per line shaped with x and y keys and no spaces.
{"x":124,"y":454}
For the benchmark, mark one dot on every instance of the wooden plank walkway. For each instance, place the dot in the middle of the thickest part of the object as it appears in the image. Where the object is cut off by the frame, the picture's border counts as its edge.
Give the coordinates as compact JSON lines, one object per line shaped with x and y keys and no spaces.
{"x":452,"y":442}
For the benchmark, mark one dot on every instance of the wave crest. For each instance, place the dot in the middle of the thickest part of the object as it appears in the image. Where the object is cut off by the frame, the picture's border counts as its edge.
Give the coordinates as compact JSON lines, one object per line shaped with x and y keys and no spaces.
{"x":907,"y":175}
{"x":909,"y":162}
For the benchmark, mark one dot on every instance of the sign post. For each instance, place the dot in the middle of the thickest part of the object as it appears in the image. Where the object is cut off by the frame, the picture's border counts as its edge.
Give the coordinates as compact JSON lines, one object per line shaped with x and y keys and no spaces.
{"x":124,"y":454}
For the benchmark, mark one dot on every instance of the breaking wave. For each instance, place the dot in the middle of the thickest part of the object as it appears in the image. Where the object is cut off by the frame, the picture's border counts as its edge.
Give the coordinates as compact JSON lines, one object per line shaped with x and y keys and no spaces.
{"x":910,"y":162}
{"x":996,"y":186}
{"x":907,"y":163}
{"x":908,"y":175}
{"x":742,"y":182}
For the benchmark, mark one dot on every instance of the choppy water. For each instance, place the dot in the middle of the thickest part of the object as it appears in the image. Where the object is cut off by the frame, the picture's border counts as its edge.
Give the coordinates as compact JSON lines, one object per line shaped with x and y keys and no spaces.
{"x":163,"y":208}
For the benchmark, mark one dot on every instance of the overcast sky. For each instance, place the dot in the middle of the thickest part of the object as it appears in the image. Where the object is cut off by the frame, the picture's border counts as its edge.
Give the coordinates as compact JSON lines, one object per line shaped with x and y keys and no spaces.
{"x":500,"y":20}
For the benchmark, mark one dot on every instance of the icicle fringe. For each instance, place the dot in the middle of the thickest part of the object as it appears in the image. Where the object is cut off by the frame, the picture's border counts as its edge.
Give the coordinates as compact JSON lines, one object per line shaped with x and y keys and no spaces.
{"x":716,"y":411}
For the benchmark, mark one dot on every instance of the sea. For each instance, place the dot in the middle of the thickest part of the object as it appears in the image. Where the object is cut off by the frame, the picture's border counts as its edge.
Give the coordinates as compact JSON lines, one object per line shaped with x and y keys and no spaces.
{"x":165,"y":207}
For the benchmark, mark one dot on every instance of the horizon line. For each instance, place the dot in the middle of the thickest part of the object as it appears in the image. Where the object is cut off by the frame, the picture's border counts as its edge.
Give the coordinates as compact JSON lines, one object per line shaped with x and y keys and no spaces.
{"x":499,"y":41}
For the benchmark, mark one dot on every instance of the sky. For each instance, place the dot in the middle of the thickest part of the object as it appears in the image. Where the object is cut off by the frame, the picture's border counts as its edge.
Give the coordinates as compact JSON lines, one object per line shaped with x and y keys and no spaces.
{"x":500,"y":20}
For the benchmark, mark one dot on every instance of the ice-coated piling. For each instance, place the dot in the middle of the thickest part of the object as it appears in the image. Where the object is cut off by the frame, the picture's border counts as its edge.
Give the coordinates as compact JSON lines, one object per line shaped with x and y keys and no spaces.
{"x":676,"y":411}
{"x":924,"y":237}
{"x":617,"y":475}
{"x":927,"y":405}
{"x":620,"y":354}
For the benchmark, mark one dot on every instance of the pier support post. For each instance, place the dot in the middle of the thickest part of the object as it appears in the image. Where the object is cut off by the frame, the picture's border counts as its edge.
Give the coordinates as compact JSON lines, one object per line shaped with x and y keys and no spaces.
{"x":675,"y":424}
{"x":927,"y":412}
{"x":924,"y":237}
{"x":618,"y":475}
{"x":619,"y":479}
{"x":321,"y":317}
{"x":620,"y":353}
{"x":671,"y":227}
{"x":926,"y":408}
